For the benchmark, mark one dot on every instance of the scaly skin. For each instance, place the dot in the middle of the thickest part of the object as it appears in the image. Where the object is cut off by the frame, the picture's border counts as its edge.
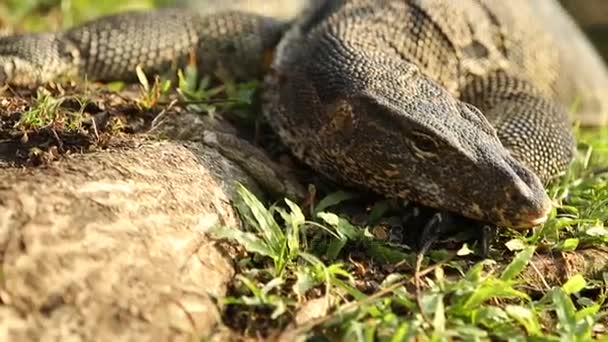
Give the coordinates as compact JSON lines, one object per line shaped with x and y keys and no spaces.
{"x":112,"y":47}
{"x":452,"y":104}
{"x":372,"y":92}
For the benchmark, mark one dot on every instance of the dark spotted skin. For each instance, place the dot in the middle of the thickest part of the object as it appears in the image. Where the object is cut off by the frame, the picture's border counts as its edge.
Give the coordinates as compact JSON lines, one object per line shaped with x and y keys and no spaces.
{"x":456,"y":105}
{"x":424,"y":100}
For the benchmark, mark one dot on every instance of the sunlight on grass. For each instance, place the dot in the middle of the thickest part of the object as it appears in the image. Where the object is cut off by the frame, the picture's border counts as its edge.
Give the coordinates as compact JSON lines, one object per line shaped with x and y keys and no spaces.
{"x":480,"y":304}
{"x":40,"y":15}
{"x":47,"y":111}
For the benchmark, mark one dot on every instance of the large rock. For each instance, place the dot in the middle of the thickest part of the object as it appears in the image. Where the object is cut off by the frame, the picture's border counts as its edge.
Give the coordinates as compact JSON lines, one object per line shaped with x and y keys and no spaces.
{"x":111,"y":245}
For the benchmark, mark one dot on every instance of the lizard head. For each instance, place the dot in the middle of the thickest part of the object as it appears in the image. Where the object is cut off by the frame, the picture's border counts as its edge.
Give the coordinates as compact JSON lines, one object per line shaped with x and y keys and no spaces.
{"x":34,"y":58}
{"x":443,"y":153}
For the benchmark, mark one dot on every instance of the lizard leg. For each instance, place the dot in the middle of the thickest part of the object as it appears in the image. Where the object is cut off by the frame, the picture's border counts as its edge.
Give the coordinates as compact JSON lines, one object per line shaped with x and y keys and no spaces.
{"x":273,"y":178}
{"x":533,"y":127}
{"x":111,"y":47}
{"x":442,"y":224}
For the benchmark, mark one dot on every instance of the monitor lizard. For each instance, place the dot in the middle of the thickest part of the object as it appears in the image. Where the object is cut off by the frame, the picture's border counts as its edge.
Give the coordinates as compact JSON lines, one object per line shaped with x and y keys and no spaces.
{"x":456,"y":105}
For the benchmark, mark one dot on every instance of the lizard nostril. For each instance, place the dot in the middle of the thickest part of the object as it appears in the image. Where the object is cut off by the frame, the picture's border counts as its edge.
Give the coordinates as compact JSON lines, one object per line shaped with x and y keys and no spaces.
{"x":529,"y":202}
{"x":525,"y":203}
{"x":521,"y":191}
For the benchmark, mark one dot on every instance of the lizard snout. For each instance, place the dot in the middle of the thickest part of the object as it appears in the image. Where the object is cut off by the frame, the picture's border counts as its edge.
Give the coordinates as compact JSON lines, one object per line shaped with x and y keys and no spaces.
{"x":532,"y":207}
{"x":526,"y":203}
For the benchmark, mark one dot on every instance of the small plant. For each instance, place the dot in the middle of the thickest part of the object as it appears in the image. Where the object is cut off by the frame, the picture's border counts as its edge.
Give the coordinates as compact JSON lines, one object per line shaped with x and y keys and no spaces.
{"x":281,"y":244}
{"x":483,"y":303}
{"x":151,"y":95}
{"x":48,"y":111}
{"x":42,"y":112}
{"x":286,"y":246}
{"x":200,"y":95}
{"x":262,"y":296}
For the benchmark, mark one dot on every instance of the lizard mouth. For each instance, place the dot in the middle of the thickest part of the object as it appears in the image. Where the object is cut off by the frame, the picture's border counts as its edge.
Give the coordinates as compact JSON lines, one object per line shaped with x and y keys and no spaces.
{"x":540,"y":220}
{"x":531,"y":217}
{"x":525,"y":203}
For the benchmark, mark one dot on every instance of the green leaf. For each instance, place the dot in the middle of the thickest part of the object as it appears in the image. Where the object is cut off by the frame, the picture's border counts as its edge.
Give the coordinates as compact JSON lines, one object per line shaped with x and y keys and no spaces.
{"x":568,"y":245}
{"x":515,"y":245}
{"x":341,"y":225}
{"x":383,"y":253}
{"x":257,"y":292}
{"x":191,"y":79}
{"x":304,"y":282}
{"x":203,"y":84}
{"x":565,"y":310}
{"x":526,"y":317}
{"x":320,"y":270}
{"x":333,"y":199}
{"x":334,"y":247}
{"x":351,"y":290}
{"x":378,"y":210}
{"x":293,"y":223}
{"x":249,"y":241}
{"x":520,"y":261}
{"x":293,"y":233}
{"x":429,"y":303}
{"x":354,"y":332}
{"x":492,"y":288}
{"x":589,"y":311}
{"x":329,"y":218}
{"x":143,"y":79}
{"x":115,"y":86}
{"x":244,"y":93}
{"x":261,"y":219}
{"x":297,"y":217}
{"x":280,"y":308}
{"x":409,"y":331}
{"x":403,"y":333}
{"x":468,"y":332}
{"x":597,"y":231}
{"x":490,"y":315}
{"x":338,"y":269}
{"x":271,"y":285}
{"x":475,"y":273}
{"x":574,"y":284}
{"x":439,"y":321}
{"x":165,"y":86}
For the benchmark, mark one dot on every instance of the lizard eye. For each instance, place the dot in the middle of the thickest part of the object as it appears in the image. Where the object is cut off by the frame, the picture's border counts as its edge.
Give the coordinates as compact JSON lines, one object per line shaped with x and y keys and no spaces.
{"x":423,"y":144}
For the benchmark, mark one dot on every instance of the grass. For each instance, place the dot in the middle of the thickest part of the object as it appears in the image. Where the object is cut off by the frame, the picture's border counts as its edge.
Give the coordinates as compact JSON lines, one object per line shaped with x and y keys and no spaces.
{"x":455,"y":298}
{"x":49,"y":110}
{"x":337,"y":276}
{"x":39,"y":15}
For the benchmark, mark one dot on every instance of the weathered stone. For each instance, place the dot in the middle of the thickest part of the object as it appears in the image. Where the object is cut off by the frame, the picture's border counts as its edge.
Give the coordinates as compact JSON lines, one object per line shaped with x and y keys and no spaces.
{"x":111,"y":245}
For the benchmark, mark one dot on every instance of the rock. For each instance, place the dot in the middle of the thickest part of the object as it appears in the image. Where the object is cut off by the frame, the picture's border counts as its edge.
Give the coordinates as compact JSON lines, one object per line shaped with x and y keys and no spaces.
{"x":110,"y":245}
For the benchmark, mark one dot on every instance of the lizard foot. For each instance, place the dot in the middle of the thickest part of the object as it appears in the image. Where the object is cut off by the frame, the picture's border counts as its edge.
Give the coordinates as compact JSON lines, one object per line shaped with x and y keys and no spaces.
{"x":430,"y":226}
